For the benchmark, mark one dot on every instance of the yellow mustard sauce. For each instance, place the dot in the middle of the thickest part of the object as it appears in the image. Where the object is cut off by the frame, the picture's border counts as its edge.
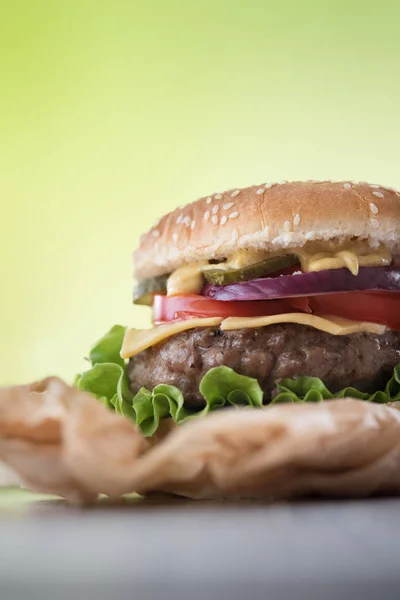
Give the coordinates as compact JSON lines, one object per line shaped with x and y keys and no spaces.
{"x":346,"y":257}
{"x":313,"y":257}
{"x":186,"y":280}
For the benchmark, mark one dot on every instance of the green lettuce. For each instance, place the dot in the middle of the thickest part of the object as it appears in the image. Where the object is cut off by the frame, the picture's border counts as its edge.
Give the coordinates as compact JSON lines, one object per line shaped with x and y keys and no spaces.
{"x":107,"y":380}
{"x":219,"y":386}
{"x":222,"y":385}
{"x":312,"y":389}
{"x":108,"y":348}
{"x":163,"y":402}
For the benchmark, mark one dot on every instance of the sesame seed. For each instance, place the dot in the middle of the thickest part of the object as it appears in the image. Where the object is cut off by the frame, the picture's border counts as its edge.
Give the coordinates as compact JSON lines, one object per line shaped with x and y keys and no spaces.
{"x":282,"y":182}
{"x":215,"y":209}
{"x":209,"y":200}
{"x":374,"y":223}
{"x":347,"y":186}
{"x":374,"y":186}
{"x":179,"y":219}
{"x":155,"y":232}
{"x":268,"y":186}
{"x":235,"y":193}
{"x":296,"y":219}
{"x":192,"y":224}
{"x":218,"y":196}
{"x":214,"y":219}
{"x":378,"y":194}
{"x":227,"y":206}
{"x":234,"y":214}
{"x":187,"y":221}
{"x":260,"y":191}
{"x":206,"y":215}
{"x":223,"y":220}
{"x":235,"y":235}
{"x":373,"y":208}
{"x":175,"y":237}
{"x":286,"y":225}
{"x":355,"y":182}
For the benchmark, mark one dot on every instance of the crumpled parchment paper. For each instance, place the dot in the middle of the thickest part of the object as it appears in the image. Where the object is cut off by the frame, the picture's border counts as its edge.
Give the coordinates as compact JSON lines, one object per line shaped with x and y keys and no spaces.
{"x":62,"y":441}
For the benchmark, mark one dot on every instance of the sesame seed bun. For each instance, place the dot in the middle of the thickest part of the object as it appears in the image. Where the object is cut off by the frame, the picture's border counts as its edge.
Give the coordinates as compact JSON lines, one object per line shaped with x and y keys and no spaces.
{"x":270,"y":217}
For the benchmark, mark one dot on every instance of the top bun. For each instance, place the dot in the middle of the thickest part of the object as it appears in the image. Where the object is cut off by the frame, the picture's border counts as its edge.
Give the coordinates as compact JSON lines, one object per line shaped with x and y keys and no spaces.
{"x":270,"y":216}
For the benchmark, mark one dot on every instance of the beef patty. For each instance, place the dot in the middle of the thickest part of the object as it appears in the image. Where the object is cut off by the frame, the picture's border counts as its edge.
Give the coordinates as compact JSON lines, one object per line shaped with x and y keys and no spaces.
{"x":269,"y":354}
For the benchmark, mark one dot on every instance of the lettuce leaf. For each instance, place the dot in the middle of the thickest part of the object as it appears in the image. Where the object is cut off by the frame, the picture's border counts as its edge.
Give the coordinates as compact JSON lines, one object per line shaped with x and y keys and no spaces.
{"x":312,"y":389}
{"x":163,"y":402}
{"x":107,"y":349}
{"x":219,"y":386}
{"x":222,"y":385}
{"x":107,"y":380}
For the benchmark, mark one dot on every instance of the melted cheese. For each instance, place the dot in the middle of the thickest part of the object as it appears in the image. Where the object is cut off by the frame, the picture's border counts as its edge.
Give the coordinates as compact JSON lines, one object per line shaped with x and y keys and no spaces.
{"x":328,"y":323}
{"x":137,"y":340}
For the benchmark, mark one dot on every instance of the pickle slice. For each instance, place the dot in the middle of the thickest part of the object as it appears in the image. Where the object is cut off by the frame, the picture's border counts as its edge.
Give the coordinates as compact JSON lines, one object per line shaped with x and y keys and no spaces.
{"x":145,"y":290}
{"x":254,"y":271}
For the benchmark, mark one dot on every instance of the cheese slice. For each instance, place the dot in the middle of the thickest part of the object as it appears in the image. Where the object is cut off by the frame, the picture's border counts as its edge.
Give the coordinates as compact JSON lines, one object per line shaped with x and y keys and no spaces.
{"x":328,"y":323}
{"x":136,"y":340}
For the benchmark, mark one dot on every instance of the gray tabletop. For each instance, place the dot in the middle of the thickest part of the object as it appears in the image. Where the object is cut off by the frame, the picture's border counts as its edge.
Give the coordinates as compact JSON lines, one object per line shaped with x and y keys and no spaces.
{"x":186,"y":550}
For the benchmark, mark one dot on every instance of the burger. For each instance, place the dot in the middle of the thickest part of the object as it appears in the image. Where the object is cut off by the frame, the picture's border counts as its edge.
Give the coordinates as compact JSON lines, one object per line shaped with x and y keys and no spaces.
{"x":280,"y":292}
{"x":271,"y":369}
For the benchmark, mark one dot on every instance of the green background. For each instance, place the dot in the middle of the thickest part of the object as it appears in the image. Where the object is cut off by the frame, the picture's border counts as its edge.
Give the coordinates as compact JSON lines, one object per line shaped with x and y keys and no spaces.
{"x":113,"y":112}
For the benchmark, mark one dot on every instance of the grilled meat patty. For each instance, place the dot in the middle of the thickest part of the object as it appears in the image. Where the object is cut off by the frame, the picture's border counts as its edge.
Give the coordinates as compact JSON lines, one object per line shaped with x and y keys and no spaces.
{"x":269,"y":354}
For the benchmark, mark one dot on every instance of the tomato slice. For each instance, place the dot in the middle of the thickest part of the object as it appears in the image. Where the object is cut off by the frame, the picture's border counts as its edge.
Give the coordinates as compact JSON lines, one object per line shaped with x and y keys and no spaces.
{"x":375,"y":307}
{"x":168,"y":308}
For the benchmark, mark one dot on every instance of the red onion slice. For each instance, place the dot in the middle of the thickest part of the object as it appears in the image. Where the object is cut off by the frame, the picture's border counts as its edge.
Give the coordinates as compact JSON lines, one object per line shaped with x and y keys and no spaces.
{"x":384,"y":279}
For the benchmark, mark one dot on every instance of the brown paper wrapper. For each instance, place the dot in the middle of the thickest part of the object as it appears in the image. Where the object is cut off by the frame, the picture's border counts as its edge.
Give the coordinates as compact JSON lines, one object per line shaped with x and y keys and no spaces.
{"x":63,"y":441}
